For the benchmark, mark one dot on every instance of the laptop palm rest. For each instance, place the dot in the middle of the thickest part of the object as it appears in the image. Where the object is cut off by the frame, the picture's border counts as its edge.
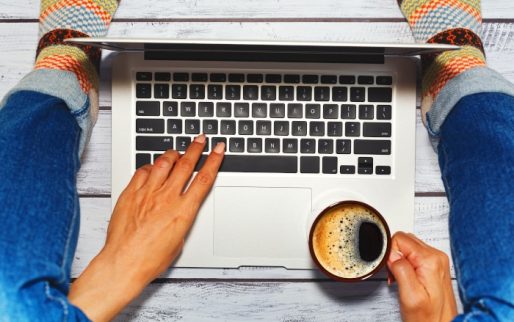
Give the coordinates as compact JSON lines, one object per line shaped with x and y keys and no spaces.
{"x":254,"y":223}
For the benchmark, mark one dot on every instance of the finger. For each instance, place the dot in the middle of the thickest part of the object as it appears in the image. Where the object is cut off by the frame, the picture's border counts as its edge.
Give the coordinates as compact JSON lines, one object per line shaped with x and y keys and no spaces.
{"x":139,"y":178}
{"x":185,"y":166}
{"x":161,"y":169}
{"x":409,"y":287}
{"x":205,"y":178}
{"x":410,"y":248}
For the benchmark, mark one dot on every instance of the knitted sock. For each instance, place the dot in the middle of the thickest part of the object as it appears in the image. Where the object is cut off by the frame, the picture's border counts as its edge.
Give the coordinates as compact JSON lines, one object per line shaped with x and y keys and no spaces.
{"x":63,"y":19}
{"x":456,"y":22}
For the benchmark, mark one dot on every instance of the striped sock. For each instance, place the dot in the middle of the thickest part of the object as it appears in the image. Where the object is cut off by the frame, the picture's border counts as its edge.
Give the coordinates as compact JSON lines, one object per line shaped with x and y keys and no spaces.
{"x":456,"y":22}
{"x":63,"y":19}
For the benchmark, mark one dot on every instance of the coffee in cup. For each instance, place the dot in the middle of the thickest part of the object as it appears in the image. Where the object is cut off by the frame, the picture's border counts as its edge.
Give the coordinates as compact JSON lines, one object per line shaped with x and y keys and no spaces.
{"x":349,"y":241}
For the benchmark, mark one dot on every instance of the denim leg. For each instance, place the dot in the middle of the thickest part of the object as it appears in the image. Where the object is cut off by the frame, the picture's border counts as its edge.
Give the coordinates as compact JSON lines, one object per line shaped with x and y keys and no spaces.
{"x":39,"y":208}
{"x":476,"y":156}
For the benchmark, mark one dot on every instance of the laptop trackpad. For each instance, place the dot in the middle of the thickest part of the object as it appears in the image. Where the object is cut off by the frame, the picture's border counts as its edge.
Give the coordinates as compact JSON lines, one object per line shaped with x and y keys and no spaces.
{"x":254,"y":222}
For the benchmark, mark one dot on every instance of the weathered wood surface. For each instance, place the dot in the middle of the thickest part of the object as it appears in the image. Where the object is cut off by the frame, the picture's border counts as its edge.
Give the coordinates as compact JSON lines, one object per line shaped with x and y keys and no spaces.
{"x":252,"y":9}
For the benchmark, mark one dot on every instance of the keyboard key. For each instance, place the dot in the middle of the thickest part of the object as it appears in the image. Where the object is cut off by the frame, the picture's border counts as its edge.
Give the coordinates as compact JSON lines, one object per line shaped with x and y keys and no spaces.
{"x":286,"y":93}
{"x":241,"y":109}
{"x":309,"y":164}
{"x":188,"y":109}
{"x":339,"y":94}
{"x":376,"y":129}
{"x":143,"y":90}
{"x":192,"y":126}
{"x":258,"y":164}
{"x":268,"y":93}
{"x":307,"y":146}
{"x":380,"y":94}
{"x":154,"y":143}
{"x":217,"y":140}
{"x":228,"y":127}
{"x":149,"y":126}
{"x":254,"y":78}
{"x":294,"y":111}
{"x":263,"y":128}
{"x":214,"y":92}
{"x":170,"y":108}
{"x":299,"y":128}
{"x":179,"y":91}
{"x":321,"y":93}
{"x":325,"y":146}
{"x":259,"y":110}
{"x":292,"y":79}
{"x":348,"y":111}
{"x":232,"y":92}
{"x":317,"y":129}
{"x":250,"y":92}
{"x":312,"y":111}
{"x":254,"y":145}
{"x":162,"y":77}
{"x":277,"y":110}
{"x":183,"y":142}
{"x":181,"y":77}
{"x":365,"y":165}
{"x":161,"y":91}
{"x":366,"y":112}
{"x":206,"y":109}
{"x":148,"y":108}
{"x":237,"y":145}
{"x":310,"y":79}
{"x":379,"y":147}
{"x":330,"y":111}
{"x":303,"y":93}
{"x":210,"y":126}
{"x":245,"y":128}
{"x":196,"y":91}
{"x":347,"y":169}
{"x":290,"y":146}
{"x":343,"y":146}
{"x":328,"y":79}
{"x":357,"y":94}
{"x":366,"y":80}
{"x":143,"y":76}
{"x":281,"y":128}
{"x":236,"y":78}
{"x":142,"y":159}
{"x":383,"y":170}
{"x":199,"y":77}
{"x":352,"y":129}
{"x":273,"y":78}
{"x":216,"y":77}
{"x":329,"y":165}
{"x":347,"y":80}
{"x":384,"y":80}
{"x":174,"y":126}
{"x":335,"y":129}
{"x":223,"y":110}
{"x":272,"y":145}
{"x":384,"y":112}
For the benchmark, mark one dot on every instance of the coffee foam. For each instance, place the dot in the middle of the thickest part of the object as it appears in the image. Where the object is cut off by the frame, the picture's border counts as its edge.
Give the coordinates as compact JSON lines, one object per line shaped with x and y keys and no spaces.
{"x":335,"y":240}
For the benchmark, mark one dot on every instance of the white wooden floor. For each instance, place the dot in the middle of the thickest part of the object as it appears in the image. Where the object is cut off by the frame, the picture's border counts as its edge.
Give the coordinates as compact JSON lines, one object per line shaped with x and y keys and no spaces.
{"x":253,"y":293}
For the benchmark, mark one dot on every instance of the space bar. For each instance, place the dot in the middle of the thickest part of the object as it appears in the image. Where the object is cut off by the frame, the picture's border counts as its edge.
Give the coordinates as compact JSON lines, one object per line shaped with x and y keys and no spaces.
{"x":247,"y":163}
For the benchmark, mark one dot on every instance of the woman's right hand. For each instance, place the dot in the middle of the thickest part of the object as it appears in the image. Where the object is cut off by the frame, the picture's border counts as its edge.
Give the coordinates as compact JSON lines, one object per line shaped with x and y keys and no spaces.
{"x":423,"y":276}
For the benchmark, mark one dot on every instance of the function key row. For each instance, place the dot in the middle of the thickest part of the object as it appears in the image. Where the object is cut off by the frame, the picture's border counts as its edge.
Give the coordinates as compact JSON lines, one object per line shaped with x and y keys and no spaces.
{"x":264,"y":78}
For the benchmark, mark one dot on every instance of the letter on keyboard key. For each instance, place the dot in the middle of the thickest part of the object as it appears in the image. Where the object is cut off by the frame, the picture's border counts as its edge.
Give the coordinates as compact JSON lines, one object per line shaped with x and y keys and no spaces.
{"x":290,"y":146}
{"x":228,"y":127}
{"x":241,"y":109}
{"x":294,"y":111}
{"x":380,"y":94}
{"x":299,"y":128}
{"x":277,"y":110}
{"x":154,"y":143}
{"x":223,"y":110}
{"x":183,"y":142}
{"x":263,"y":128}
{"x":147,"y":108}
{"x":170,"y":108}
{"x":174,"y":126}
{"x":309,"y":164}
{"x":237,"y":145}
{"x":254,"y":145}
{"x":380,"y":147}
{"x":259,"y":110}
{"x":272,"y":145}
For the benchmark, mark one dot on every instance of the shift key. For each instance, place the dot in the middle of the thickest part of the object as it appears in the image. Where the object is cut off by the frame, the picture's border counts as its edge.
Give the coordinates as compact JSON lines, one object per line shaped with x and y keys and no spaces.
{"x":154,"y":143}
{"x":380,"y":147}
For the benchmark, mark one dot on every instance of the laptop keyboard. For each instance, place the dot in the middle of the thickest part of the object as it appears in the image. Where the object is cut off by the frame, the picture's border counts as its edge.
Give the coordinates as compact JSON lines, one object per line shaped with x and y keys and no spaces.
{"x":271,"y":123}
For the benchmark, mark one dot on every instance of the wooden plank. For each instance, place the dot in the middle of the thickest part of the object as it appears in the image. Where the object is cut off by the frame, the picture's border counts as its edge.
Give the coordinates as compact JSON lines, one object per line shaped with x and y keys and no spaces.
{"x":264,"y":9}
{"x":431,"y":217}
{"x":267,"y":301}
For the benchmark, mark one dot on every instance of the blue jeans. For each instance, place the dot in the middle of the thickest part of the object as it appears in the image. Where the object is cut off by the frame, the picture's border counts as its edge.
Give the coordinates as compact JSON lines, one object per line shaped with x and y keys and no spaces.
{"x":39,"y":215}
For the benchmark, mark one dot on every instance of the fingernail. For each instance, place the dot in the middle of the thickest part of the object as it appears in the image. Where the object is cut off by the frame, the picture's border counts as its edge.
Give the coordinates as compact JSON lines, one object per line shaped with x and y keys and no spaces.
{"x":394,"y":256}
{"x":200,"y":138}
{"x":220,"y":148}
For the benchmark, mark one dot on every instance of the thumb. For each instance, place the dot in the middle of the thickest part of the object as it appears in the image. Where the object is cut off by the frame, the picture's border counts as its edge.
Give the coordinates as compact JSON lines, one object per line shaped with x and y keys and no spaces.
{"x":409,"y":287}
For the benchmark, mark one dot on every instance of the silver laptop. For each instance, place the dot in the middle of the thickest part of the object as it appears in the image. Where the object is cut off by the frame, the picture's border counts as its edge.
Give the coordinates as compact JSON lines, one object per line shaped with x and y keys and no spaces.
{"x":306,"y":125}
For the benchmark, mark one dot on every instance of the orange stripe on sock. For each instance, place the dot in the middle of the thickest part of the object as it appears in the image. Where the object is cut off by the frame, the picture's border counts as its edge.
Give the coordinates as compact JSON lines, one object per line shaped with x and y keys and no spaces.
{"x":66,"y":63}
{"x":453,"y":68}
{"x":424,"y":9}
{"x":97,"y":10}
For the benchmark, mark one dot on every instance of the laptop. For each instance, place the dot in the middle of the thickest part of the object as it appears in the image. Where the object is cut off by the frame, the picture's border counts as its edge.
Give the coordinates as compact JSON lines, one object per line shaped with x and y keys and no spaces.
{"x":306,"y":124}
